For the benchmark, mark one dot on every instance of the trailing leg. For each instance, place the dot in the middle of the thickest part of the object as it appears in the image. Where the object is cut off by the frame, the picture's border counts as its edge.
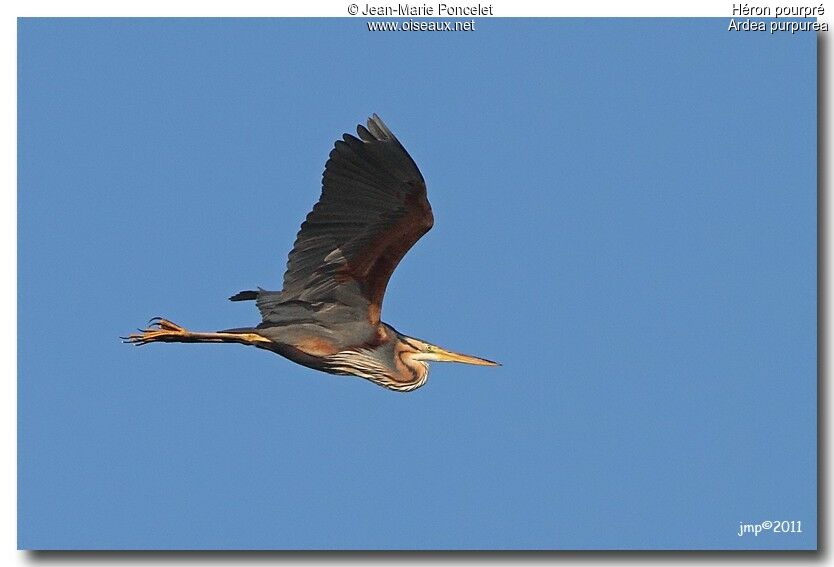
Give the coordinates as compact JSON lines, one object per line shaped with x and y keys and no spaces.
{"x":163,"y":330}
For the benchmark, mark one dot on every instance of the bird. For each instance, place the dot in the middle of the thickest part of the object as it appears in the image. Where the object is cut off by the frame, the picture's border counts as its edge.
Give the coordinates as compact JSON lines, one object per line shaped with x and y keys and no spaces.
{"x":373,"y":208}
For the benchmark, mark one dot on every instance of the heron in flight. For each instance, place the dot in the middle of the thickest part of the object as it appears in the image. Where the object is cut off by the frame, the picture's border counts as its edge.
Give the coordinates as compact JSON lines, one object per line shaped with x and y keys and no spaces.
{"x":373,"y":208}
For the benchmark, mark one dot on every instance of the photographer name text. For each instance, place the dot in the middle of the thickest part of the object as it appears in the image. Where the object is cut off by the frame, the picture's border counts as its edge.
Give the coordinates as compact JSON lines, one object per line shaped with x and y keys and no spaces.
{"x":428,"y":10}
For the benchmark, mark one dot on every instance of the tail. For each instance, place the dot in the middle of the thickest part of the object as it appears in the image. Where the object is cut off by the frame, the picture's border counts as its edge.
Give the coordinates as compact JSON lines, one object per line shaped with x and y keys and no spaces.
{"x":266,"y":300}
{"x":248,"y":295}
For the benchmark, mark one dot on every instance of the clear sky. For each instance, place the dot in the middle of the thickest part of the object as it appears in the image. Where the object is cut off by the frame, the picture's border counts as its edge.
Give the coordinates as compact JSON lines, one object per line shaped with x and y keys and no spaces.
{"x":625,"y":217}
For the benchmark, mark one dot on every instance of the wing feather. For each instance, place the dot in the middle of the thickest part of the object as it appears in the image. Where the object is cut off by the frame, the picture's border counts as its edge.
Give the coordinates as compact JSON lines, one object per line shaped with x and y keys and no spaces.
{"x":373,"y":208}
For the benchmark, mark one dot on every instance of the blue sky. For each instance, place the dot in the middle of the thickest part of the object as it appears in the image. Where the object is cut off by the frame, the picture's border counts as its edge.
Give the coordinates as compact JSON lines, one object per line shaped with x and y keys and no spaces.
{"x":625,"y":217}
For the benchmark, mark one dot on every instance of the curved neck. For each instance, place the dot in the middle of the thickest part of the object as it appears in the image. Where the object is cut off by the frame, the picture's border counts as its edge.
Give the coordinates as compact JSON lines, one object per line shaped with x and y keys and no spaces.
{"x":410,"y":372}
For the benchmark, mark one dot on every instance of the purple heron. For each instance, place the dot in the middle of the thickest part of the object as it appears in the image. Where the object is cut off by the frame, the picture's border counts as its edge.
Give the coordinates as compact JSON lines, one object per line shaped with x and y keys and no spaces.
{"x":372,"y":209}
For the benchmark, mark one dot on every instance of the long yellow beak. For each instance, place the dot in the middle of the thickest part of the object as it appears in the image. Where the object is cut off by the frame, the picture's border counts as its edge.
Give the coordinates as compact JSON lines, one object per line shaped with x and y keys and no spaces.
{"x":442,"y":355}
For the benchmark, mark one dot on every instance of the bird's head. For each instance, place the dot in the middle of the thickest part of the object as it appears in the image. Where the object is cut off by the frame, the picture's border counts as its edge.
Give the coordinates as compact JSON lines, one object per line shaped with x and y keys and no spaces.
{"x":417,"y":349}
{"x":400,"y":362}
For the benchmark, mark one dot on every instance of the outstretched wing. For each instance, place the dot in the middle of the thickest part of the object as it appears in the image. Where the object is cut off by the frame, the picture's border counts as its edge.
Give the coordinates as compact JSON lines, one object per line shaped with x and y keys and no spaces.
{"x":373,"y":208}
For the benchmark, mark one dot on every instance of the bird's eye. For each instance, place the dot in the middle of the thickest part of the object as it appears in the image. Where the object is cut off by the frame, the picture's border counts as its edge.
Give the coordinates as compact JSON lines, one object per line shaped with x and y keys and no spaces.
{"x":430,"y":348}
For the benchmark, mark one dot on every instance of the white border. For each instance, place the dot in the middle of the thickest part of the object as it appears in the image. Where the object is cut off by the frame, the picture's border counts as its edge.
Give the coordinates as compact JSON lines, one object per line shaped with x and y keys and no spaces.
{"x":8,"y":245}
{"x":338,"y":8}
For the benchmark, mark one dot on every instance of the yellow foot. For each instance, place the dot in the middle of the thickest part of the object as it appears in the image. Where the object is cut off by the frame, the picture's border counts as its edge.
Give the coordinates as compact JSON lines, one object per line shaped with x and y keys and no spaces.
{"x":159,"y":329}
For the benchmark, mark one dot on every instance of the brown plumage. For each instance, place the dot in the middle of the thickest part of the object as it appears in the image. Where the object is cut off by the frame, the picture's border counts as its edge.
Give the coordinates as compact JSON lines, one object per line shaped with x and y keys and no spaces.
{"x":373,"y":208}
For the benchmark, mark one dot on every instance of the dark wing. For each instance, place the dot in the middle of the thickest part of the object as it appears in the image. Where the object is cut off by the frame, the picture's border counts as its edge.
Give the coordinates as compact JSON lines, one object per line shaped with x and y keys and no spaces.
{"x":373,"y":208}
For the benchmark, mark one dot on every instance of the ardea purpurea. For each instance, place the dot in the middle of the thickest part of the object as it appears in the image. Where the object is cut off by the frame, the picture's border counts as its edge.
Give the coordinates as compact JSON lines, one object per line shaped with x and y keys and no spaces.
{"x":373,"y":208}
